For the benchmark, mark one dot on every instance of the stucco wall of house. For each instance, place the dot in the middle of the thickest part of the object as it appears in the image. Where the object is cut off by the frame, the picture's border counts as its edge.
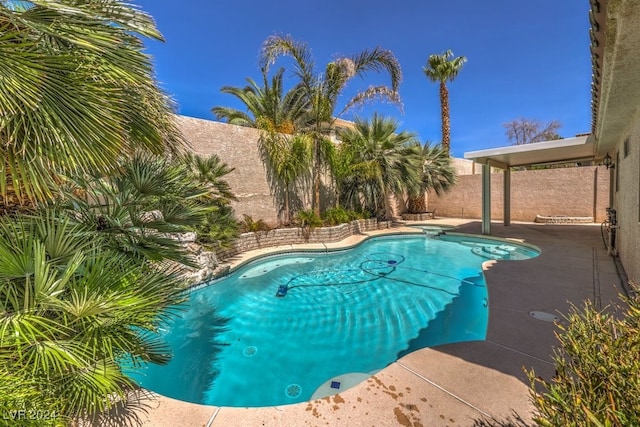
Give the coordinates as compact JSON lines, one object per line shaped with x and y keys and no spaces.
{"x":236,"y":146}
{"x":576,"y":192}
{"x":627,"y":201}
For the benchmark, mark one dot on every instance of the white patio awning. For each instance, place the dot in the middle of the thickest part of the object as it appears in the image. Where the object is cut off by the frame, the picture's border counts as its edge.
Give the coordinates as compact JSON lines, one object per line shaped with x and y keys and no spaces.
{"x":577,"y":149}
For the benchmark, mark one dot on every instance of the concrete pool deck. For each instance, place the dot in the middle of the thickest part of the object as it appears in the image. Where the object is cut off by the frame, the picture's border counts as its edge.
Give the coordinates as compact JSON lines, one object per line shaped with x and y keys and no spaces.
{"x":479,"y":383}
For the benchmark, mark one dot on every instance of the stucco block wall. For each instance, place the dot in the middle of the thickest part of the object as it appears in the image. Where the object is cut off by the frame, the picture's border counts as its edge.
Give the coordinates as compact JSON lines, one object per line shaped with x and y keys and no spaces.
{"x":627,"y":203}
{"x":465,"y":167}
{"x":236,"y":146}
{"x":580,"y":191}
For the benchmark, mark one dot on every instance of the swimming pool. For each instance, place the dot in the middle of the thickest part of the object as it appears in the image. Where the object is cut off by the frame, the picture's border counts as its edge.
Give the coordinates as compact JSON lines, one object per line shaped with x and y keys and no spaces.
{"x":293,"y":327}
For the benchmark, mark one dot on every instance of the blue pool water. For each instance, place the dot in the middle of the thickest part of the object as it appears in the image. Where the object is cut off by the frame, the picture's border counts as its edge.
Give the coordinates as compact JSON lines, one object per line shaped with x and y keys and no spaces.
{"x":340,"y":317}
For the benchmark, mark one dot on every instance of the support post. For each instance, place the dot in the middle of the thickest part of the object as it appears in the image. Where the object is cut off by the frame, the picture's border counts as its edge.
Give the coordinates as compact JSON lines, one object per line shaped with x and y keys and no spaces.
{"x":486,"y":199}
{"x":506,"y":192}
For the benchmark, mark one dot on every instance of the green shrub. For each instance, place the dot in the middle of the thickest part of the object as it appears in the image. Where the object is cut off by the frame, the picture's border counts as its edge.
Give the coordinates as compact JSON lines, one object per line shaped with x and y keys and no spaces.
{"x":249,"y":225}
{"x":76,"y":311}
{"x":218,"y":229}
{"x":597,"y":382}
{"x":308,"y":219}
{"x":335,"y":216}
{"x":339,"y":215}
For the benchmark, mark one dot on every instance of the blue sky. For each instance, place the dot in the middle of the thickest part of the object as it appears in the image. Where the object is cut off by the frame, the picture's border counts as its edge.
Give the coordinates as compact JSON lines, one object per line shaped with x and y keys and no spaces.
{"x":525,"y":59}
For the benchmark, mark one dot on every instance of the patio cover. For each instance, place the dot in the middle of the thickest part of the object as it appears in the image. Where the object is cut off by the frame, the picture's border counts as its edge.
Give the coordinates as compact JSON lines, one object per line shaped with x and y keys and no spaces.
{"x":577,"y":149}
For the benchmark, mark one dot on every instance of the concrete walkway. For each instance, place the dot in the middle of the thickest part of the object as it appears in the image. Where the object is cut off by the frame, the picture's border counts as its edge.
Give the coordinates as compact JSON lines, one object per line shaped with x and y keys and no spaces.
{"x":465,"y":384}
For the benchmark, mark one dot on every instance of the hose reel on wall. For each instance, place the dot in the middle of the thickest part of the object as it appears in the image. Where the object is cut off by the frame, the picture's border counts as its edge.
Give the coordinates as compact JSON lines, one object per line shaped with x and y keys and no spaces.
{"x":608,"y":229}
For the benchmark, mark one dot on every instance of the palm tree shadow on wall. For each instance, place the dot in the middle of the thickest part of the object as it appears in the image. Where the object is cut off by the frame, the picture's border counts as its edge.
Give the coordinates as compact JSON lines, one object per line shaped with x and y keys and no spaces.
{"x":296,"y":204}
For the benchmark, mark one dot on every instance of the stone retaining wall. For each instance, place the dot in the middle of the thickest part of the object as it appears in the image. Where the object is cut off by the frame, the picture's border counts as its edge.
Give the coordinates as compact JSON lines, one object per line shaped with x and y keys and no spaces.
{"x":417,"y":217}
{"x":289,"y":236}
{"x":559,"y":219}
{"x":212,"y":264}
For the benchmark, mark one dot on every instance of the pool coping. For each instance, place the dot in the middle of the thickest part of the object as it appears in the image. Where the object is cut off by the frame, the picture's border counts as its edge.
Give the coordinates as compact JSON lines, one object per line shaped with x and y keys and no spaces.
{"x":455,"y":384}
{"x":407,"y":230}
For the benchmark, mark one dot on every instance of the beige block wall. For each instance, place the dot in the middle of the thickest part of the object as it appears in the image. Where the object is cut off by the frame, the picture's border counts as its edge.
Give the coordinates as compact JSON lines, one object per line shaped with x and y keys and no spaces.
{"x":236,"y":146}
{"x":465,"y":167}
{"x":576,"y":191}
{"x":627,"y":203}
{"x":570,"y":191}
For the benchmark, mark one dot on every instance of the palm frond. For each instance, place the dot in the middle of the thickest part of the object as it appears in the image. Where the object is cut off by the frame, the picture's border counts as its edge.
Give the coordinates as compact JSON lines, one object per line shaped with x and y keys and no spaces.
{"x":77,"y":93}
{"x":382,"y":161}
{"x":440,"y":68}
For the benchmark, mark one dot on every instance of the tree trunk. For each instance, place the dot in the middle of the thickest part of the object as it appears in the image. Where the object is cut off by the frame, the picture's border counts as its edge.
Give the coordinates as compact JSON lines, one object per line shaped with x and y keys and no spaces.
{"x":390,"y":206}
{"x":287,"y":213}
{"x":446,"y":127}
{"x":417,"y":204}
{"x":316,"y":193}
{"x":10,"y":202}
{"x":317,"y":168}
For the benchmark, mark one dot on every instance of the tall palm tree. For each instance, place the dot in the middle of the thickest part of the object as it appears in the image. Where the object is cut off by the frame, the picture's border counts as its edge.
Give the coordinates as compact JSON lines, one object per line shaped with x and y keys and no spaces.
{"x":77,"y":93}
{"x":386,"y":163}
{"x":438,"y":174}
{"x":442,"y":69}
{"x":322,"y":91}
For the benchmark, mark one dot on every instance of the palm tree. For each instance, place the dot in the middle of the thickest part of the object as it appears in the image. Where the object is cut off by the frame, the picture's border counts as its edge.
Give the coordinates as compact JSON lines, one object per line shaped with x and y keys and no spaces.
{"x":386,"y":163}
{"x":438,"y":174}
{"x":210,"y":172}
{"x":77,"y":93}
{"x":74,"y":313}
{"x":322,"y":91}
{"x":441,"y":69}
{"x":288,"y":158}
{"x":135,"y":209}
{"x":279,"y":115}
{"x":85,"y":282}
{"x":269,"y":107}
{"x":219,"y":227}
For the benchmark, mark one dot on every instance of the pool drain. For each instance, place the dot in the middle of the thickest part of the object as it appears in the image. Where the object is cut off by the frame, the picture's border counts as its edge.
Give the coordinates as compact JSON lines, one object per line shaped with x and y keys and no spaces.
{"x":541,"y":315}
{"x":293,"y":390}
{"x":250,"y":351}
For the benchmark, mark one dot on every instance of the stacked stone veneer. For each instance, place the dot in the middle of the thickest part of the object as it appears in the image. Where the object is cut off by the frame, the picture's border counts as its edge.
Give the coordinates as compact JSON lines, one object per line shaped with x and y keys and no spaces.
{"x":417,"y":217}
{"x":212,"y":264}
{"x":559,"y":219}
{"x":289,"y":236}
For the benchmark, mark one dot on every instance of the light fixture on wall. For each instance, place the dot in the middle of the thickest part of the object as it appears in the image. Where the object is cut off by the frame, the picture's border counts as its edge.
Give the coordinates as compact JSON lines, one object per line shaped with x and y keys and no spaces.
{"x":607,"y":161}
